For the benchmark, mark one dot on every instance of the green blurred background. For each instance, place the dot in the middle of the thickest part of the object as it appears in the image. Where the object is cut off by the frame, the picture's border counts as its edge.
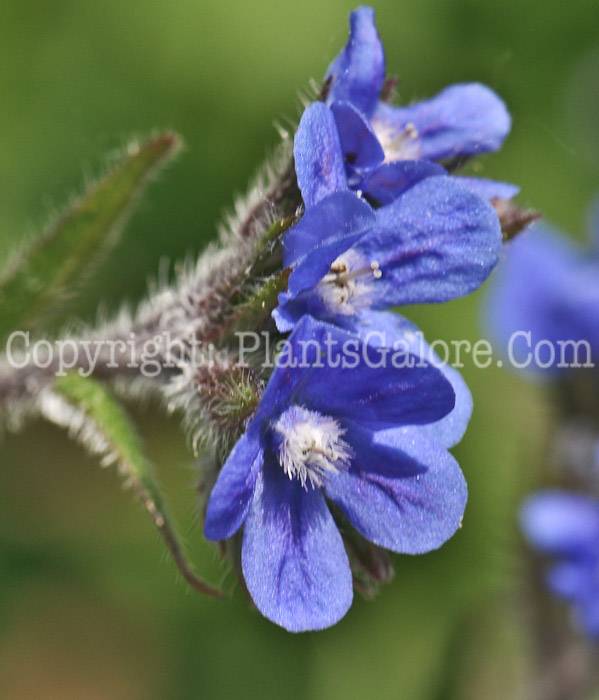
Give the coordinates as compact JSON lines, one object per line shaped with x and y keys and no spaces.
{"x":90,"y":607}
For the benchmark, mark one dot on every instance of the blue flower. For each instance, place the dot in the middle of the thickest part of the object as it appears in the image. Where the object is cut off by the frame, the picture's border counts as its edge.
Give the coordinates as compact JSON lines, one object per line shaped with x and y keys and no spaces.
{"x":543,"y":306}
{"x":462,"y":121}
{"x":433,"y":241}
{"x":565,"y":526}
{"x":336,"y":424}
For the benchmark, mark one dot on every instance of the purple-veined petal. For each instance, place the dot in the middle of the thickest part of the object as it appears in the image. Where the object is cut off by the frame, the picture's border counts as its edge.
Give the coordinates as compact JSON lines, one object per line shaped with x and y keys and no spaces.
{"x":294,"y":562}
{"x":385,"y":183}
{"x":489,"y":189}
{"x":390,"y":329}
{"x":234,"y":489}
{"x":358,"y":72}
{"x":462,"y":120}
{"x":319,"y":163}
{"x":411,"y":514}
{"x":436,"y":242}
{"x":559,"y":522}
{"x":335,"y":222}
{"x":369,"y":389}
{"x":378,"y":452}
{"x":360,"y":146}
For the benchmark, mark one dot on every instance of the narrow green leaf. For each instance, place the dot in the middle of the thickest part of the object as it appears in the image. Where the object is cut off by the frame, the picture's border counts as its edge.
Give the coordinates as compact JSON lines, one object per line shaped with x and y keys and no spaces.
{"x":59,"y":259}
{"x":93,"y":417}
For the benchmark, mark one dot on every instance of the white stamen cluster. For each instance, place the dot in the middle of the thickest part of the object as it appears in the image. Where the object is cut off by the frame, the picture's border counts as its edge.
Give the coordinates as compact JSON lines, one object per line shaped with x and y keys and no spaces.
{"x":397,"y":143}
{"x":310,"y":446}
{"x":347,"y":287}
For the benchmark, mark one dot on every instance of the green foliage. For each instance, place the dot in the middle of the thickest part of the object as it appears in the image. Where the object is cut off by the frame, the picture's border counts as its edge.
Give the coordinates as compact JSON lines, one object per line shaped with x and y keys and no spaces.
{"x":101,"y":425}
{"x":59,"y":259}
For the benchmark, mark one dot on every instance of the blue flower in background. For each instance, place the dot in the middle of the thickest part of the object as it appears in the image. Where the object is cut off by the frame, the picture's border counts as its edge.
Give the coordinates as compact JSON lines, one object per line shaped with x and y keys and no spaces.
{"x":565,"y":526}
{"x":548,"y":288}
{"x":381,"y":142}
{"x":344,"y":434}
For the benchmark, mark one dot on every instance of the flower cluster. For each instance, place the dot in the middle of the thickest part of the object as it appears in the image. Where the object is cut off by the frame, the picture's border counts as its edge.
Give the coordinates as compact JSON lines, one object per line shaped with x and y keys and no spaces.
{"x":565,"y":526}
{"x":433,"y":236}
{"x":336,"y":453}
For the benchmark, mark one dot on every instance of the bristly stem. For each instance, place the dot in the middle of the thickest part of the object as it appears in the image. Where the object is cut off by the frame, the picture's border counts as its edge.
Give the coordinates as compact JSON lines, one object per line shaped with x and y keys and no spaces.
{"x":26,"y":381}
{"x":282,"y":199}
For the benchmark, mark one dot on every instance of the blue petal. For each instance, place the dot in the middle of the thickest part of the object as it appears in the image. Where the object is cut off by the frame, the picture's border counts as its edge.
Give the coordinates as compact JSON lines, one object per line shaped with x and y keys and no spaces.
{"x":436,"y":242}
{"x":232,"y":494}
{"x":319,"y":163}
{"x":286,"y":315}
{"x":292,"y":307}
{"x":389,"y":180}
{"x":368,"y":389}
{"x":411,"y":514}
{"x":333,"y":224}
{"x":561,"y":523}
{"x":462,"y":120}
{"x":378,"y":452}
{"x":294,"y":562}
{"x":360,"y":146}
{"x":489,"y":189}
{"x":392,"y":330}
{"x":572,"y":579}
{"x":548,"y":288}
{"x":344,"y":218}
{"x":358,"y":72}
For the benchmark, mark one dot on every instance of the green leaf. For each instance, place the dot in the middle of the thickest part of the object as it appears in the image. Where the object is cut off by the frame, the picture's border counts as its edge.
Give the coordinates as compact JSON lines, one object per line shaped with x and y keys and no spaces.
{"x":93,"y":417}
{"x":58,"y":260}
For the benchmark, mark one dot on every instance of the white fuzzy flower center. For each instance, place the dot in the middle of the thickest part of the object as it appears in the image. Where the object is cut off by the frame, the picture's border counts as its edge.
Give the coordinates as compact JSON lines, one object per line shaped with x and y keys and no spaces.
{"x":348,"y":286}
{"x":310,"y":446}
